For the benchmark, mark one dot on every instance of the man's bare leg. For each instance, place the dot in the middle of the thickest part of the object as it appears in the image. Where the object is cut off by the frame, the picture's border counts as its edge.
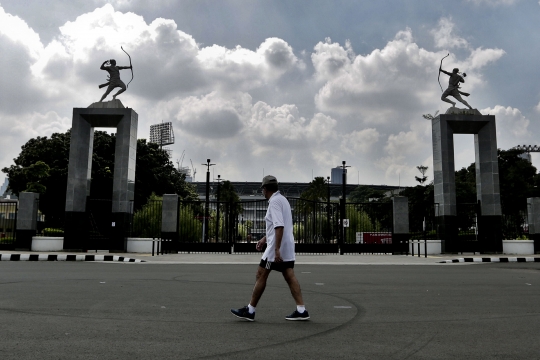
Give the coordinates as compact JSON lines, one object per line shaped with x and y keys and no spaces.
{"x":443,"y":98}
{"x":460,"y":99}
{"x":119,"y":92}
{"x":109,"y":89}
{"x":294,"y":286}
{"x":260,"y":285}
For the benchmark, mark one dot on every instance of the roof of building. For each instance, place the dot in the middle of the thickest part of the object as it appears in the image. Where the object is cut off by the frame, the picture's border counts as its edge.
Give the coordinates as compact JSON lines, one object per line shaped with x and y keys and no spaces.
{"x":286,"y":188}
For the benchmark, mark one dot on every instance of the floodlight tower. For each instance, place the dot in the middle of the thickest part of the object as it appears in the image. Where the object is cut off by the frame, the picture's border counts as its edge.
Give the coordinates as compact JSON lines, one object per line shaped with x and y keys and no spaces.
{"x":528,"y":149}
{"x":163,"y":135}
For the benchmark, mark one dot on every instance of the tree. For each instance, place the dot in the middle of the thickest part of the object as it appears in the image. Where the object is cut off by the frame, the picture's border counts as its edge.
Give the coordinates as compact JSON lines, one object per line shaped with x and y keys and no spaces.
{"x":154,"y":173}
{"x":317,"y":190}
{"x":364,"y":193}
{"x":422,"y":170}
{"x":429,"y":116}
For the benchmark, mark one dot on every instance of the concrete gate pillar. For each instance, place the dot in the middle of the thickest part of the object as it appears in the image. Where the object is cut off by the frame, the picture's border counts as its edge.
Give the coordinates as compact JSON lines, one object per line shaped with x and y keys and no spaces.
{"x":169,"y":217}
{"x":444,"y":126}
{"x":26,"y":220}
{"x":400,"y":225}
{"x":125,"y":120}
{"x":533,"y":216}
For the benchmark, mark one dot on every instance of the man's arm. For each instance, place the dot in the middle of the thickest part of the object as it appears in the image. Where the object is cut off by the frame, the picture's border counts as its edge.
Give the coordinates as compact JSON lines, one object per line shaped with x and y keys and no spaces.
{"x":260,"y":244}
{"x":103,"y":65}
{"x":446,"y":72}
{"x":123,"y":67}
{"x":279,"y":237}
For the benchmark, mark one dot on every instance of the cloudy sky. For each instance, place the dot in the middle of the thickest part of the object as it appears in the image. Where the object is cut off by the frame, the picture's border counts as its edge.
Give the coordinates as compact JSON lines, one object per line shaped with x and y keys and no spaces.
{"x":289,"y":88}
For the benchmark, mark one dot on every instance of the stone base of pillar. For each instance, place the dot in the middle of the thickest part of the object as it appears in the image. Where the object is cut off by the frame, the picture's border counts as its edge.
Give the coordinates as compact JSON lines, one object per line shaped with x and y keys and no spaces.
{"x":76,"y":231}
{"x":119,"y":233}
{"x":400,"y":244}
{"x":490,"y":234}
{"x":536,"y":239}
{"x":448,"y":233}
{"x":23,"y":240}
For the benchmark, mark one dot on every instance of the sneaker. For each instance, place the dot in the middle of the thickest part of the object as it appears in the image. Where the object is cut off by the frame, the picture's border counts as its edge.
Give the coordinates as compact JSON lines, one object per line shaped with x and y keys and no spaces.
{"x":298,"y":316}
{"x":243,"y":313}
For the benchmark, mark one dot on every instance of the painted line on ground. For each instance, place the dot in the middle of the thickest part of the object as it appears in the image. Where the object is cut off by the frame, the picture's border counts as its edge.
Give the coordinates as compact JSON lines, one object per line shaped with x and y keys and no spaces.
{"x":492,"y":259}
{"x":65,"y":257}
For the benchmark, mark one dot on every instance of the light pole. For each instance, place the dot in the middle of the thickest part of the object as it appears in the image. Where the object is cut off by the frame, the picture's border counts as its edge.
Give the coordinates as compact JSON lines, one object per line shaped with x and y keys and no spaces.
{"x":328,"y":207}
{"x":343,"y":202}
{"x":207,"y":203}
{"x":217,"y":210}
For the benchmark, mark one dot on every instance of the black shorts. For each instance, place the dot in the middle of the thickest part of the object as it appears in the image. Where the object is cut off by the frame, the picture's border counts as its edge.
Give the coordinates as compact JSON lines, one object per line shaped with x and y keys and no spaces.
{"x":278,"y":266}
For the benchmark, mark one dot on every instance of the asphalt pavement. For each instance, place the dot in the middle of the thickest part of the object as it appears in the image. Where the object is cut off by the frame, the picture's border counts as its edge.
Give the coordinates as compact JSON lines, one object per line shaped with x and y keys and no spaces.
{"x":93,"y":310}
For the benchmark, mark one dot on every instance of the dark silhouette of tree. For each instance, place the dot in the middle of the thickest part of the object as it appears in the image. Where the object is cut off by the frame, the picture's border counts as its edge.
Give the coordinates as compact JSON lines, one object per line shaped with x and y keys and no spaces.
{"x":422,"y":170}
{"x":154,"y":173}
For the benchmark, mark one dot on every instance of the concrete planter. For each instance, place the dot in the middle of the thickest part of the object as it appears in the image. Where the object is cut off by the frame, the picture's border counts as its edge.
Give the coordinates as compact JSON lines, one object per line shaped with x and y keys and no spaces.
{"x":433,"y":247}
{"x":518,"y":247}
{"x":46,"y":243}
{"x":139,"y":245}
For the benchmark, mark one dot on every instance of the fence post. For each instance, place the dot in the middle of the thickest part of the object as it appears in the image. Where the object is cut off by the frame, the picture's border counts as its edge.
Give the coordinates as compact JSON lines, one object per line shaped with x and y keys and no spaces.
{"x":400,"y":225}
{"x":169,"y":218}
{"x":26,"y":220}
{"x":533,"y":216}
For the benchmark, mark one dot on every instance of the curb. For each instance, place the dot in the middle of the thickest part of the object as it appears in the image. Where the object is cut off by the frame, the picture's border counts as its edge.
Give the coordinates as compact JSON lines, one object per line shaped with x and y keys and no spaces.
{"x":50,"y":257}
{"x":492,"y":259}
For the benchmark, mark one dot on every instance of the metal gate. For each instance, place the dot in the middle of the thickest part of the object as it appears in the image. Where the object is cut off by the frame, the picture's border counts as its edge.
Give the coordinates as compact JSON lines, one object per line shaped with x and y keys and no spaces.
{"x":467,"y":227}
{"x":8,"y":222}
{"x":237,"y":226}
{"x":369,"y":229}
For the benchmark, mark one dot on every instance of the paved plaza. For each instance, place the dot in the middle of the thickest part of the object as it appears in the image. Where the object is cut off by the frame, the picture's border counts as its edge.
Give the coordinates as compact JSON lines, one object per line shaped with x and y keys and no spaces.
{"x":385,"y":307}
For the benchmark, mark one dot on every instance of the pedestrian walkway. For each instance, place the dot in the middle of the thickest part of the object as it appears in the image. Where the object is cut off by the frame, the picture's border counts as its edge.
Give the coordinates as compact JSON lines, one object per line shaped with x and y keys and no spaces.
{"x":301,"y":259}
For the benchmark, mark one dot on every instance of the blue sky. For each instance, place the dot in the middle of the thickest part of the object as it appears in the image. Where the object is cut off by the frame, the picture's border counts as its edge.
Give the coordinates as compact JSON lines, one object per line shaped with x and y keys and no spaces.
{"x":293,"y":87}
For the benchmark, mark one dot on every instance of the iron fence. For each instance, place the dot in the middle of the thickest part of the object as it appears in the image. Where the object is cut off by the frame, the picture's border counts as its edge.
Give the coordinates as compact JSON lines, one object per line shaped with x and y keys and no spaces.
{"x":423,"y":222}
{"x":8,"y":222}
{"x":515,"y":226}
{"x":369,"y":228}
{"x":146,"y":221}
{"x":49,"y":223}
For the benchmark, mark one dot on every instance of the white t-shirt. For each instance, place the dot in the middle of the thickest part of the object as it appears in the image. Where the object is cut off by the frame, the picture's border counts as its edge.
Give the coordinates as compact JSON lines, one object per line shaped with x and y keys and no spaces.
{"x":279,"y":214}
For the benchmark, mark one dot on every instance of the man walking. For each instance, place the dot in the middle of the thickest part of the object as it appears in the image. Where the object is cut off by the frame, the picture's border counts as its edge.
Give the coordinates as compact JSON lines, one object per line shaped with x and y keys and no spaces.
{"x":279,"y":254}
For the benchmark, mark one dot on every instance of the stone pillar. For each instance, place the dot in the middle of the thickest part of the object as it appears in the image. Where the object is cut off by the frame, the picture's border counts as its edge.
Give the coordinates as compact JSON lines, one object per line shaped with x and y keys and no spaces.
{"x":487,"y":188}
{"x":107,"y":114}
{"x":533,"y":215}
{"x":400,"y":225}
{"x":26,"y":220}
{"x":444,"y":126}
{"x":169,"y":217}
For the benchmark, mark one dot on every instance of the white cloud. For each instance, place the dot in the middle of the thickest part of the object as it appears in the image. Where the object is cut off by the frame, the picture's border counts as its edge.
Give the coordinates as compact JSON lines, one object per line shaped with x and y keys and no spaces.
{"x":360,"y":142}
{"x":445,"y":38}
{"x":211,"y":116}
{"x":246,"y":109}
{"x":512,"y":125}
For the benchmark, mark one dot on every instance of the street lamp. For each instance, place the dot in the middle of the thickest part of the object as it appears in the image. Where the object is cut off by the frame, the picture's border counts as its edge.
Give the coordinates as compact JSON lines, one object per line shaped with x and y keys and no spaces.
{"x":343,"y":202}
{"x":219,"y":179}
{"x":328,"y":207}
{"x":207,"y":203}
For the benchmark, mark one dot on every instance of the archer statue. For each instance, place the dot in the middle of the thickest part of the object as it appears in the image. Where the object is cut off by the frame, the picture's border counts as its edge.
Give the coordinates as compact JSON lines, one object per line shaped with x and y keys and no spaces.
{"x":113,"y":79}
{"x":453,"y":86}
